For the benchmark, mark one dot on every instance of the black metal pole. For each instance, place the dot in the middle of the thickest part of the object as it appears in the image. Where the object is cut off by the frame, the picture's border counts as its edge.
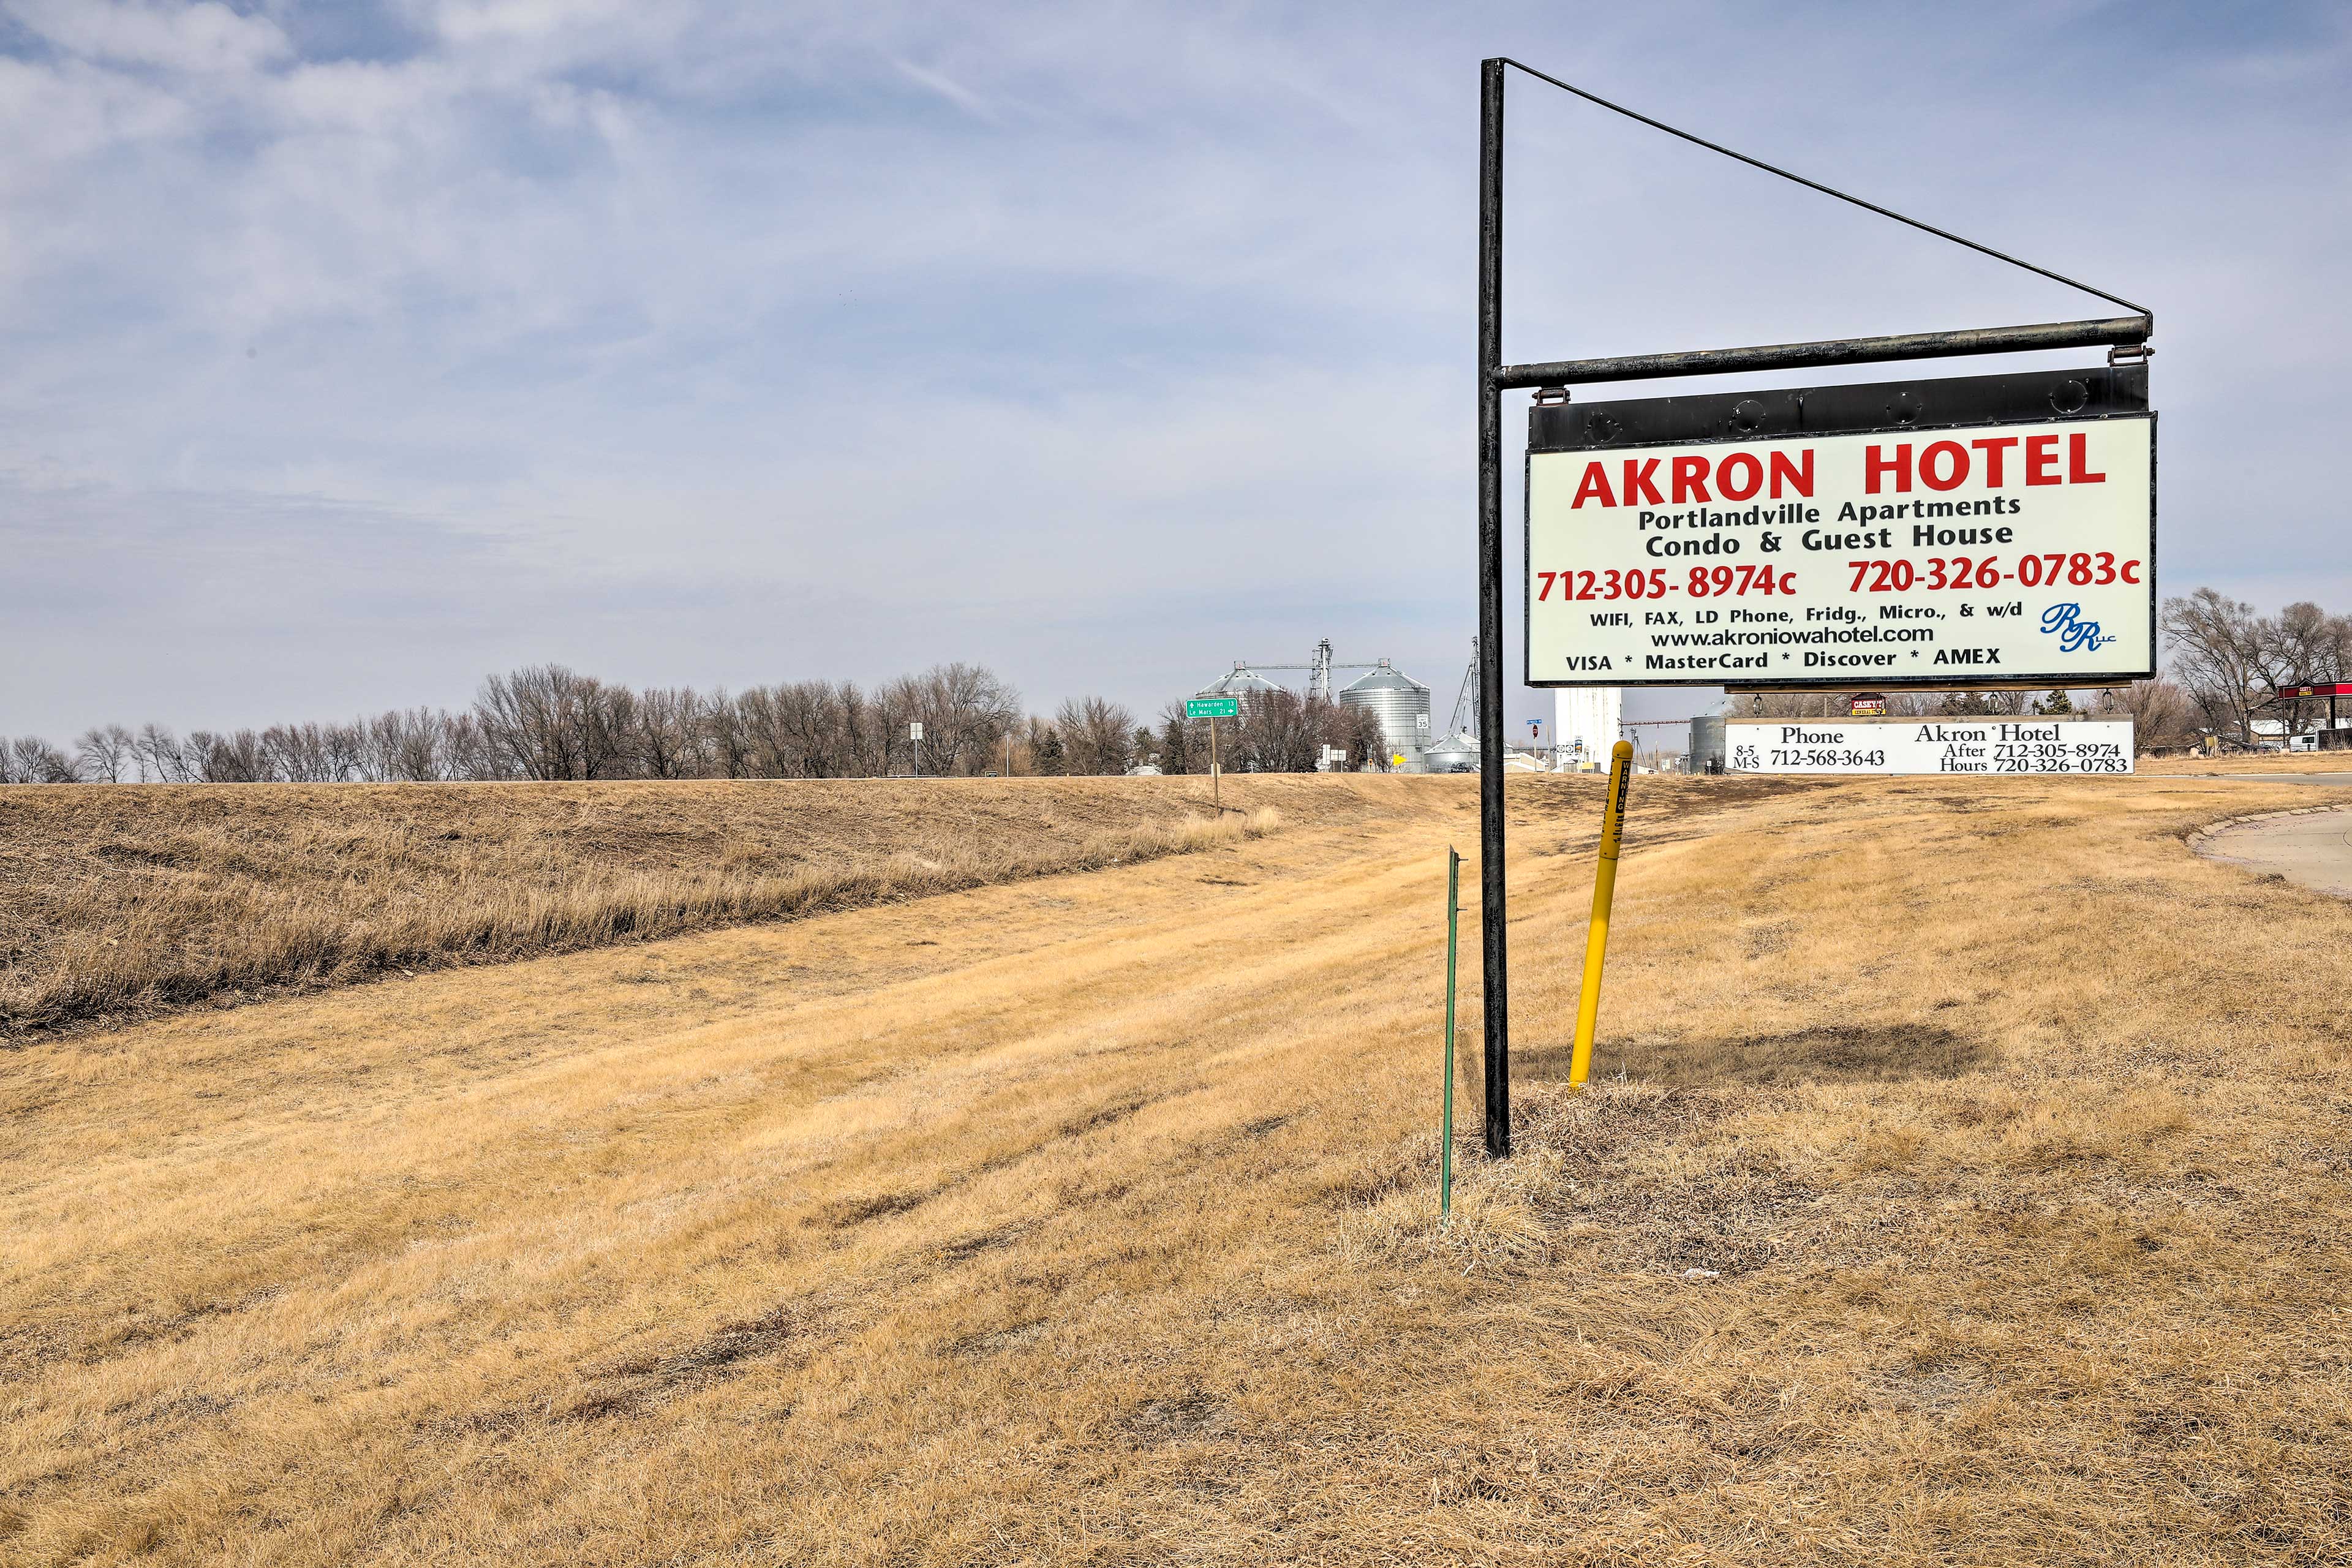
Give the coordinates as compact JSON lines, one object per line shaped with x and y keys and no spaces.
{"x":1491,"y":920}
{"x":2127,"y":331}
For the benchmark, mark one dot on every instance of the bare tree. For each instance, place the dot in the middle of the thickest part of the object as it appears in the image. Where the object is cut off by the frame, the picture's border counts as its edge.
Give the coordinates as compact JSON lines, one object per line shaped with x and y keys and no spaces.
{"x":410,"y":747}
{"x":814,"y":721}
{"x":540,"y":721}
{"x":668,"y":740}
{"x":29,"y":759}
{"x":725,"y":741}
{"x":1278,"y":732}
{"x":234,"y":758}
{"x":160,"y":752}
{"x":346,"y":748}
{"x":1096,"y":735}
{"x":766,"y":739}
{"x":608,"y":725}
{"x":966,"y":709}
{"x":298,"y":753}
{"x":2303,"y":645}
{"x":864,"y":734}
{"x":2219,"y":654}
{"x":1358,"y":730}
{"x":2160,"y":712}
{"x":1283,"y":732}
{"x":468,"y":752}
{"x":102,"y":752}
{"x":795,"y":731}
{"x":894,"y":705}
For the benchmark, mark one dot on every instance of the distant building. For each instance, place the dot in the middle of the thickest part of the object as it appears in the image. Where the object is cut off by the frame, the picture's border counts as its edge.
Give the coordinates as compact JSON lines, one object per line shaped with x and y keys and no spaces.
{"x":1587,"y":721}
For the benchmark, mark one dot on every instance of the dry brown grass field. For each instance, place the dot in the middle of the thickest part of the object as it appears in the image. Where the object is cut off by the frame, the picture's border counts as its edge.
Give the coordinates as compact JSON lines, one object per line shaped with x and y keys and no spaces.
{"x":1092,"y":1218}
{"x":130,"y":901}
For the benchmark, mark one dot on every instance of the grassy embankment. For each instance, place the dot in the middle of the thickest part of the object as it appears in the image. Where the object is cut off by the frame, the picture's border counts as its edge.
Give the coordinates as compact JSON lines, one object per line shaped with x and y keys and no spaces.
{"x":122,"y":902}
{"x":1092,"y":1219}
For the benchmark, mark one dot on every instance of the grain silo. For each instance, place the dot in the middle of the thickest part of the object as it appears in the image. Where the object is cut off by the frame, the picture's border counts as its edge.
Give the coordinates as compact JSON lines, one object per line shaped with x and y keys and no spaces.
{"x":1245,"y":684}
{"x":1457,"y":754}
{"x":1706,"y":743}
{"x":1400,"y":704}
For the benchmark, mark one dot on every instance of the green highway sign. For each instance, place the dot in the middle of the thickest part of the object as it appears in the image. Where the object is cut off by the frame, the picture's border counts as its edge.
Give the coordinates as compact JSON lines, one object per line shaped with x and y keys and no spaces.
{"x":1212,"y":707}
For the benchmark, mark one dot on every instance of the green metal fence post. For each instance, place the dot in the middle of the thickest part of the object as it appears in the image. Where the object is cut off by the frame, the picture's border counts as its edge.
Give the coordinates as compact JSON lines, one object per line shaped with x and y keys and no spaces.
{"x":1446,"y":1133}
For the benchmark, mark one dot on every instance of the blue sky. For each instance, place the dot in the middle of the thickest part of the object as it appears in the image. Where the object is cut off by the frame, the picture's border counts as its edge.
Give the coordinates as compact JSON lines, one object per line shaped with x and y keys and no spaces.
{"x":350,"y":351}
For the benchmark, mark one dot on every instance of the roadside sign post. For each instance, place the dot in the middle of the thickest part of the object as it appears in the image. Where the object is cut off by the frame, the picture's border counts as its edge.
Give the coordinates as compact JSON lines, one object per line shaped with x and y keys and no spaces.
{"x":1604,"y":892}
{"x":915,"y":746}
{"x":1213,"y":708}
{"x":2066,"y":636}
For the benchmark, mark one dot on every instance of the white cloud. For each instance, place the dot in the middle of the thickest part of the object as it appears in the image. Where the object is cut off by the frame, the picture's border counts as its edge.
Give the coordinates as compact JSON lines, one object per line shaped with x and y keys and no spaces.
{"x":202,"y":39}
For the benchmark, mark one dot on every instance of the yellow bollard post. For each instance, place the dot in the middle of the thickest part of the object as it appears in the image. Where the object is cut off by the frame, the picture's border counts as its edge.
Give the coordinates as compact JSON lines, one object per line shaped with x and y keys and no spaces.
{"x":1604,"y":889}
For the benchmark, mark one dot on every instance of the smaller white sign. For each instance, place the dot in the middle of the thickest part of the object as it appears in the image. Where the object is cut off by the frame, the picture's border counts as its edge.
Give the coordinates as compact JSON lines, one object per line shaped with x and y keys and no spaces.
{"x":914,"y":731}
{"x":2021,"y":745}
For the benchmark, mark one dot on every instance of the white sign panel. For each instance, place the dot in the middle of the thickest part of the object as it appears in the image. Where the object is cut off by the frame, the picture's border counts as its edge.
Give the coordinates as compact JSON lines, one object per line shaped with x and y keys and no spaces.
{"x":1929,"y":746}
{"x":1957,"y":557}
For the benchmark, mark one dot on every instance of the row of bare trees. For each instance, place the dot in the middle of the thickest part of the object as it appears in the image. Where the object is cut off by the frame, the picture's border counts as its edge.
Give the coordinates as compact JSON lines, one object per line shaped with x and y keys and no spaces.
{"x":2229,"y":666}
{"x":1276,"y":732}
{"x":2140,"y":700}
{"x":550,"y":723}
{"x":1899,"y":704}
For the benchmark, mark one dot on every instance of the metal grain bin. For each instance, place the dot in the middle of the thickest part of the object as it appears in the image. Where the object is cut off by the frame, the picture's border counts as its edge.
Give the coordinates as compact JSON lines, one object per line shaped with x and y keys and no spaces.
{"x":1244,"y":683}
{"x":1398,"y":702}
{"x":1457,"y":754}
{"x":1707,"y":754}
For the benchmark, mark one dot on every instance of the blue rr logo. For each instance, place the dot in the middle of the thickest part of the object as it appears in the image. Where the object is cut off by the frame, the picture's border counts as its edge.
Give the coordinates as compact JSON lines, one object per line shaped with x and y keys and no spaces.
{"x":2065,"y":623}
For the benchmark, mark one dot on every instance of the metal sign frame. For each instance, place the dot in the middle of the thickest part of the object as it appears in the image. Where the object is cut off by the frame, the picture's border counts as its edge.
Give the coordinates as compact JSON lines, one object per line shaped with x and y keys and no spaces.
{"x":2126,"y":335}
{"x":1894,"y":407}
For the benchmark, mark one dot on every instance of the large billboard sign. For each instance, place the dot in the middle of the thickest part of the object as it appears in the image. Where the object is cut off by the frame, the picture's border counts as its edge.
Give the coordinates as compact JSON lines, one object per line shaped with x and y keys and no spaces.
{"x":1980,"y":531}
{"x":1994,"y":746}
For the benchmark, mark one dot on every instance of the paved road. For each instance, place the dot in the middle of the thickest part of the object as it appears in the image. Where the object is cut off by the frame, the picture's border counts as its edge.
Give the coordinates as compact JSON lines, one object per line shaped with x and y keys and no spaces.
{"x":2314,"y":850}
{"x":2333,"y":781}
{"x":2326,"y":781}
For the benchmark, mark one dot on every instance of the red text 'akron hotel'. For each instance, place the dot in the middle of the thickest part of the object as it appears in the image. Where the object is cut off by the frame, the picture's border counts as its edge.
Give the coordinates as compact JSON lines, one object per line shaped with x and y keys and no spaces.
{"x":1997,"y":462}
